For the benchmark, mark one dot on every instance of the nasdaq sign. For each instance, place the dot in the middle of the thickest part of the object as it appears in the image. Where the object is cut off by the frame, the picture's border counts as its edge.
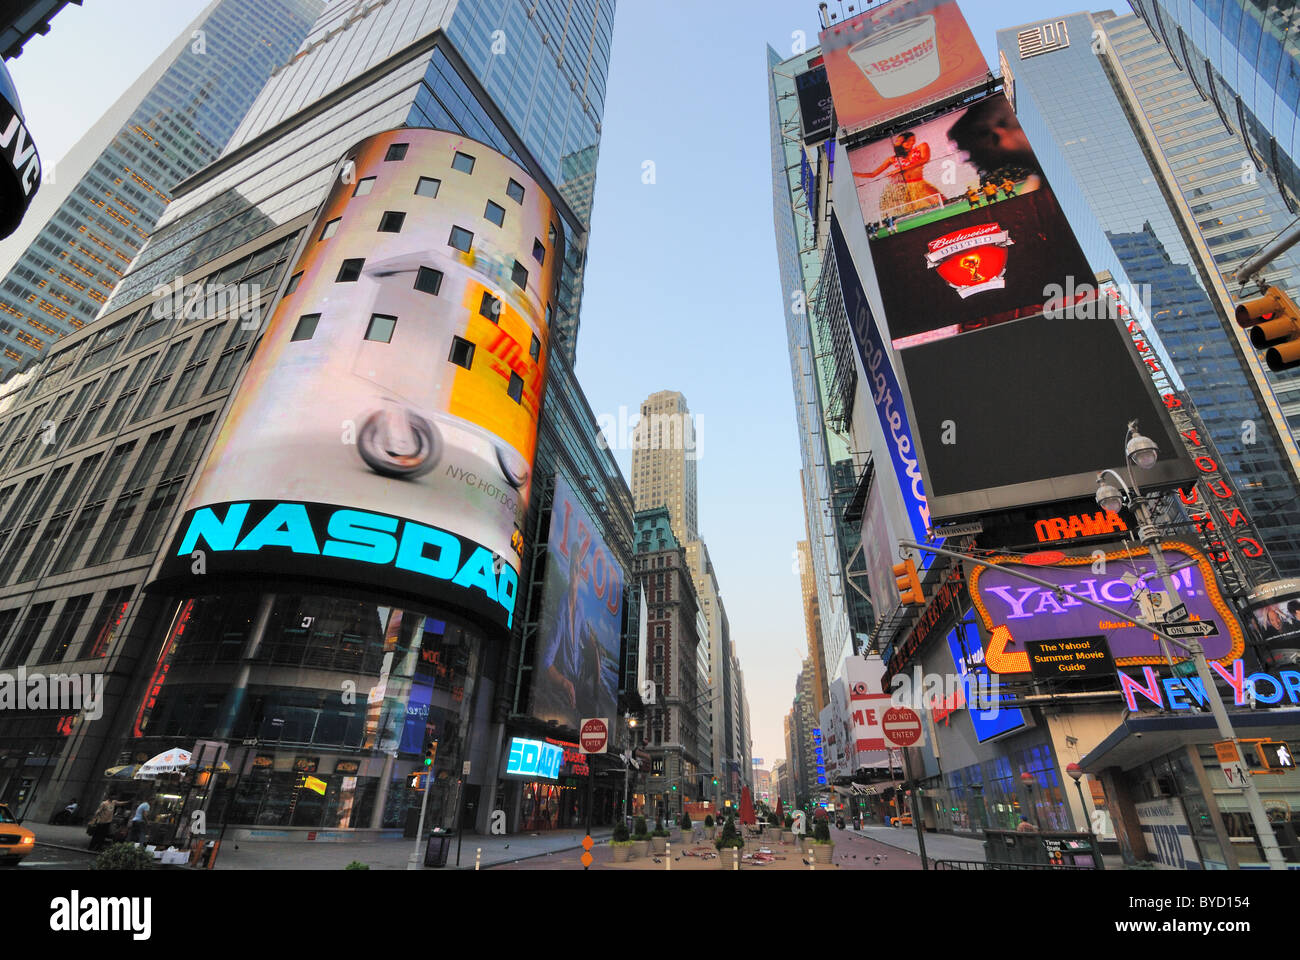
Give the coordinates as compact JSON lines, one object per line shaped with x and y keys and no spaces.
{"x":534,"y":758}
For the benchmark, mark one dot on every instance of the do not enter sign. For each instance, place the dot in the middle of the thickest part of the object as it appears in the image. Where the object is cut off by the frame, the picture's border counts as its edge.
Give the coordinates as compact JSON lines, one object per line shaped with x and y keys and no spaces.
{"x":901,"y":726}
{"x":593,"y":735}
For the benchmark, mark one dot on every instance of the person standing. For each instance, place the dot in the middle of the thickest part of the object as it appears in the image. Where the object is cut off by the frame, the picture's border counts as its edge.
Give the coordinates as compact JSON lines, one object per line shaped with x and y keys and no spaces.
{"x":101,"y":822}
{"x":138,"y":831}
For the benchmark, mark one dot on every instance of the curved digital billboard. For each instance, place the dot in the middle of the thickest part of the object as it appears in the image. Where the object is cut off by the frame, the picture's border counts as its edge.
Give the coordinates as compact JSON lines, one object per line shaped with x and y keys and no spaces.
{"x":383,"y":434}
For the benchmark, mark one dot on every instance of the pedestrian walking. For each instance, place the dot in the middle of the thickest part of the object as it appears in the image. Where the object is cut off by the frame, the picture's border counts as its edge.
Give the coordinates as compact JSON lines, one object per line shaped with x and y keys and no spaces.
{"x":101,"y":822}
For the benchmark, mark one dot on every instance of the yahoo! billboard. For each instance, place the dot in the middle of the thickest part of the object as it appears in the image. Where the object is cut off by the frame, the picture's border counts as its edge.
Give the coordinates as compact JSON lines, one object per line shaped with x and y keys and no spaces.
{"x":882,"y":384}
{"x":1017,"y":612}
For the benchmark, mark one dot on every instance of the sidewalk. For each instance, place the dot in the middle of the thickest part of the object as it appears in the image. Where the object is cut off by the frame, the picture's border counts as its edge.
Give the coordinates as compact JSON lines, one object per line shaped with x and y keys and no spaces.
{"x":945,"y":846}
{"x":377,"y":854}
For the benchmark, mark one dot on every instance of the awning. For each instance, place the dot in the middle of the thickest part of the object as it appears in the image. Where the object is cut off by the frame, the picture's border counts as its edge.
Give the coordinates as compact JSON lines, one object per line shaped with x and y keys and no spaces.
{"x":1144,"y":737}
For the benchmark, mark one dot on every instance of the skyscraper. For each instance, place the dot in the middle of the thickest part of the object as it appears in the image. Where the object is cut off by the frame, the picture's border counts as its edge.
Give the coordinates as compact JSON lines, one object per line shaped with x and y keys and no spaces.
{"x":1245,"y":54}
{"x":88,"y":224}
{"x":821,"y":360}
{"x":664,"y":457}
{"x":1131,"y":148}
{"x":444,"y":210}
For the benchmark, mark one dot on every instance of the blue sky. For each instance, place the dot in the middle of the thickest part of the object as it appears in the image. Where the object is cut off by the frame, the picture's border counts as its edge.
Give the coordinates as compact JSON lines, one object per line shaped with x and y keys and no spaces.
{"x":682,"y":288}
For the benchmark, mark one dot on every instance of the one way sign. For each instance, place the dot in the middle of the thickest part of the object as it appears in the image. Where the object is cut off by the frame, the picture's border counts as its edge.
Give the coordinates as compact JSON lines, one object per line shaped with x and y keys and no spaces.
{"x":1195,"y":628}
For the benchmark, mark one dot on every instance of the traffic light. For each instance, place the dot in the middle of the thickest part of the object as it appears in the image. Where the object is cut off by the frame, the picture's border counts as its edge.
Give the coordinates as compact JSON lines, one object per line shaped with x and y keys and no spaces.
{"x":430,"y":752}
{"x":674,"y":788}
{"x":1275,"y":755}
{"x":909,"y":584}
{"x":715,"y":781}
{"x":1274,"y":322}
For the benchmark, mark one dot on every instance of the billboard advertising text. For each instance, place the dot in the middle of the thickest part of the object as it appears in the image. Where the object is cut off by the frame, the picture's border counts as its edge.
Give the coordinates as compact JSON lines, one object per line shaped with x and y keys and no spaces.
{"x":898,"y":57}
{"x":383,"y":433}
{"x":578,"y":636}
{"x":963,"y":222}
{"x":1016,"y":613}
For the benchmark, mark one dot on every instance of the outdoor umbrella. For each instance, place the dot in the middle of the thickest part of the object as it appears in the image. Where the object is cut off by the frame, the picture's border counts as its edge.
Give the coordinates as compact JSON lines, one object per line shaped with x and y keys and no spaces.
{"x":780,"y":812}
{"x":747,"y":807}
{"x":124,"y":772}
{"x":169,"y":761}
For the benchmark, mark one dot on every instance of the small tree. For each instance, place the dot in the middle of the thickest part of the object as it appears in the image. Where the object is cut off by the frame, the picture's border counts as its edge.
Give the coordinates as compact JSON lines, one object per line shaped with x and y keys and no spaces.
{"x":729,"y":836}
{"x":642,"y":833}
{"x":708,"y":820}
{"x":357,"y":865}
{"x":821,"y":831}
{"x":789,"y":821}
{"x":620,"y":833}
{"x":685,"y":821}
{"x":124,"y":856}
{"x":660,"y":830}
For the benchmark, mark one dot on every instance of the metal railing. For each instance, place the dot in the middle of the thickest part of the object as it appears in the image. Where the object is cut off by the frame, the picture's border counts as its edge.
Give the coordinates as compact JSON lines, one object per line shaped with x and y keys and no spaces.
{"x":982,"y":865}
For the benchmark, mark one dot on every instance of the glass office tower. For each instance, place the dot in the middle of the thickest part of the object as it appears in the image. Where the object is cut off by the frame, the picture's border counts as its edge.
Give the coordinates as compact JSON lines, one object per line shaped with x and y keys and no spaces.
{"x":141,"y":393}
{"x":1245,"y":54}
{"x":88,"y":224}
{"x":1125,"y":209}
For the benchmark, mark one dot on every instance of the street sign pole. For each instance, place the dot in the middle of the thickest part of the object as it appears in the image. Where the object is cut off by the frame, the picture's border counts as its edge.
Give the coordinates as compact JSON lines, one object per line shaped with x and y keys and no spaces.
{"x":916,"y":808}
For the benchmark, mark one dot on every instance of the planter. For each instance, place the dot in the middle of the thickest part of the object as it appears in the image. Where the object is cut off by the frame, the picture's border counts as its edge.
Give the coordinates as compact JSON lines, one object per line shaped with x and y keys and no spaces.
{"x":728,"y":857}
{"x":640,"y":848}
{"x":787,"y":836}
{"x":621,"y":851}
{"x":659,"y":845}
{"x":823,"y":852}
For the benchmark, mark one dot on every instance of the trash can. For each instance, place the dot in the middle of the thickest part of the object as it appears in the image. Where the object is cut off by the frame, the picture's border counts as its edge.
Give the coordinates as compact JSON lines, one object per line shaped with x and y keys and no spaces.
{"x":435,"y":851}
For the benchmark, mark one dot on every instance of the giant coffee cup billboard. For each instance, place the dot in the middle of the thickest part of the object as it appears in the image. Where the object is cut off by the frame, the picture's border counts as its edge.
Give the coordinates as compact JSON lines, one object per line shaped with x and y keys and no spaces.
{"x":383,"y":434}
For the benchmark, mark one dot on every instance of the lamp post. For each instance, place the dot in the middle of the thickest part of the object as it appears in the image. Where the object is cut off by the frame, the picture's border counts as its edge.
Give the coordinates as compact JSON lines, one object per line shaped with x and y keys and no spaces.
{"x":1027,"y":779}
{"x":1076,"y":773}
{"x":1142,"y":452}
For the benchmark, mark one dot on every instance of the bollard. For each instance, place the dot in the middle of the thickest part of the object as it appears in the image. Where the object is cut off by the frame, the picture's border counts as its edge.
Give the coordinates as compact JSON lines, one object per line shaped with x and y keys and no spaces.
{"x":668,"y":861}
{"x":478,"y":857}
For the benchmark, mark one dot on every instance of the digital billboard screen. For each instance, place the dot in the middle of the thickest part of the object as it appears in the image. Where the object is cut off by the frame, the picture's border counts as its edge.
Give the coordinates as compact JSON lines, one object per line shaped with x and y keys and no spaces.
{"x":898,"y":57}
{"x":816,"y":110}
{"x":1029,"y":412}
{"x":964,"y":224}
{"x":383,"y":433}
{"x":578,"y":636}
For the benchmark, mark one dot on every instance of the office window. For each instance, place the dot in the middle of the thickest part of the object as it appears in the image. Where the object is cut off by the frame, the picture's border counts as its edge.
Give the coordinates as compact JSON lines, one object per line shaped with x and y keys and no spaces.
{"x":539,"y":251}
{"x":65,"y":628}
{"x":495,"y":213}
{"x":391,"y":221}
{"x":396,"y":151}
{"x":330,"y":228}
{"x":293,"y":283}
{"x":462,"y":352}
{"x":350,"y":270}
{"x":461,"y":239}
{"x":427,"y":187}
{"x":490,"y":307}
{"x":463,"y":162}
{"x":381,"y":328}
{"x":428,"y":280}
{"x":162,"y":376}
{"x":306,"y":327}
{"x":104,"y":627}
{"x":117,"y":412}
{"x":519,"y":275}
{"x":189,"y":377}
{"x":25,"y":639}
{"x":535,"y":347}
{"x":364,"y":186}
{"x":515,"y":191}
{"x":516,"y":388}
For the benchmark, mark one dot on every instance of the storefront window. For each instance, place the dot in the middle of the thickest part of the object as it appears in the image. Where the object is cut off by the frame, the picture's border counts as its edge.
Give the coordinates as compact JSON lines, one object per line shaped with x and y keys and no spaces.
{"x":325,"y":717}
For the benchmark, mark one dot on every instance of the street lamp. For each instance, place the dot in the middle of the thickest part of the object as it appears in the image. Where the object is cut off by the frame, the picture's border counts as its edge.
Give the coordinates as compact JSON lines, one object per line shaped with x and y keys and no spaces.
{"x":1076,"y":772}
{"x":1027,"y":779}
{"x":1141,"y":452}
